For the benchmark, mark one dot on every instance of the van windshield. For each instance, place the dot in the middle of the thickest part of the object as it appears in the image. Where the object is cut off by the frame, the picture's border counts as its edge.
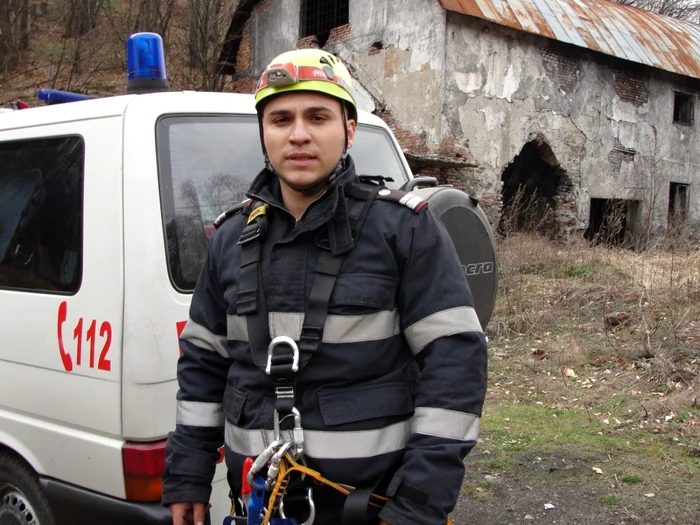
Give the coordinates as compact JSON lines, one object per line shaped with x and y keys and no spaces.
{"x":206,"y":164}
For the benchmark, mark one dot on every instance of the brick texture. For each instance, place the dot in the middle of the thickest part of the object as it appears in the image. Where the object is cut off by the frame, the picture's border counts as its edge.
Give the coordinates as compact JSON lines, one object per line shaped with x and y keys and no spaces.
{"x":412,"y":142}
{"x":631,"y":87}
{"x":339,"y":33}
{"x":562,"y":69}
{"x":243,"y":85}
{"x":308,"y":42}
{"x":244,"y":57}
{"x":620,"y":154}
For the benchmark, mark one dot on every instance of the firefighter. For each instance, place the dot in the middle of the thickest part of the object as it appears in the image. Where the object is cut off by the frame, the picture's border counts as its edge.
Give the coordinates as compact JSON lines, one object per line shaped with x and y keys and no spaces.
{"x":390,"y":375}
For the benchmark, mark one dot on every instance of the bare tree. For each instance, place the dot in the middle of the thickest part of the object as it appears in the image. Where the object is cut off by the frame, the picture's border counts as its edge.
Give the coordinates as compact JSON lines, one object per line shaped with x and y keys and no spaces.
{"x":208,"y":23}
{"x":688,"y":10}
{"x":153,"y":16}
{"x":81,"y":16}
{"x":14,"y":31}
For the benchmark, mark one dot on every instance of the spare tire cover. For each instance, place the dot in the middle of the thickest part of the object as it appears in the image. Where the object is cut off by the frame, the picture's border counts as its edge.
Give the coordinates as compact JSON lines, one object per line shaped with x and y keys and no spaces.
{"x":473,"y":239}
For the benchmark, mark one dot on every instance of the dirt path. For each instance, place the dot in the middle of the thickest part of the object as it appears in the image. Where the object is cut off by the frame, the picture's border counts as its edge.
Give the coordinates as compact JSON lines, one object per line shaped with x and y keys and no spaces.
{"x":520,"y":494}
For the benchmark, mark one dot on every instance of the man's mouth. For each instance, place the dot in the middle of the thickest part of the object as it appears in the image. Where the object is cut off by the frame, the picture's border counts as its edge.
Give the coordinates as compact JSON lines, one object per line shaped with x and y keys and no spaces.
{"x":299,"y":157}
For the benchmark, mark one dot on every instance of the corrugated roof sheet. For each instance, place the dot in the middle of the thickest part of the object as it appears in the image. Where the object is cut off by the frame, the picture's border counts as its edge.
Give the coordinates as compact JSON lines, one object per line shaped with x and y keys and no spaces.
{"x":601,"y":25}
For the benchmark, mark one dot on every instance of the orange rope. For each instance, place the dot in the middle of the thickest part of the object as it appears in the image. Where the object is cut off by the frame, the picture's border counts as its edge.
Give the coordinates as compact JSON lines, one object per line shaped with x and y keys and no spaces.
{"x":288,"y":465}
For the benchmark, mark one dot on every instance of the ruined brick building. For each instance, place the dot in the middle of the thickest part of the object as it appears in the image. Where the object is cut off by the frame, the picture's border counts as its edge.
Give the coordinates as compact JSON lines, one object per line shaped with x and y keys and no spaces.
{"x":584,"y":107}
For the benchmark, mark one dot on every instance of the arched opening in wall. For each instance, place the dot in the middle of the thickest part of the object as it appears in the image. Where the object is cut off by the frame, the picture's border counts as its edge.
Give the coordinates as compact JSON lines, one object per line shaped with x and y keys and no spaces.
{"x":532,"y":184}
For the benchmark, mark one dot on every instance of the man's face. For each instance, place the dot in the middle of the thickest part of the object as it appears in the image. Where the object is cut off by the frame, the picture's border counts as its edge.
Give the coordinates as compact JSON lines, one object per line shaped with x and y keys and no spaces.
{"x":304,"y":137}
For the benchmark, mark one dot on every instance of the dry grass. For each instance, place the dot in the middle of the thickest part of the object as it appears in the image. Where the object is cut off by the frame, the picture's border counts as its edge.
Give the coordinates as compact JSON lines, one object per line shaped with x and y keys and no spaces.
{"x":625,"y":323}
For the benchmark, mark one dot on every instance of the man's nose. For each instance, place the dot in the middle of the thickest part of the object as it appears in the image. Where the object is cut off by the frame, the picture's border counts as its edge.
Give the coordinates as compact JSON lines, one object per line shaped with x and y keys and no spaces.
{"x":300,"y":132}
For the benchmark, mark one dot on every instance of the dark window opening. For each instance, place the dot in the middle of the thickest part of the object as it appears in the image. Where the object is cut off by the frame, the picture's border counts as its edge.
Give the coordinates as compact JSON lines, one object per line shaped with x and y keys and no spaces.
{"x":611,"y":221}
{"x":531,"y":185}
{"x":41,"y":214}
{"x":321,"y":16}
{"x":683,"y":108}
{"x":677,"y":204}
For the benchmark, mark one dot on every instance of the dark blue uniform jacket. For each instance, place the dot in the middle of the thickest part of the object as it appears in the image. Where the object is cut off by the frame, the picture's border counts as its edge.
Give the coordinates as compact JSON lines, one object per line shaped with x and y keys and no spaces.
{"x":399,"y":381}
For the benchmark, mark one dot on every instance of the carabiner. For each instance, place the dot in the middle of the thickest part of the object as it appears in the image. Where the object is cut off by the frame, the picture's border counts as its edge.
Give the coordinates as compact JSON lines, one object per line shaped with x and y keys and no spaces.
{"x":261,"y":461}
{"x":312,"y":507}
{"x":274,"y":467}
{"x":297,"y":435}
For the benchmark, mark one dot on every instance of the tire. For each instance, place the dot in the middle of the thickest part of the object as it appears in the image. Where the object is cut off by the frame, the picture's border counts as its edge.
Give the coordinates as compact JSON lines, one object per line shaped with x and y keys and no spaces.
{"x":21,"y":500}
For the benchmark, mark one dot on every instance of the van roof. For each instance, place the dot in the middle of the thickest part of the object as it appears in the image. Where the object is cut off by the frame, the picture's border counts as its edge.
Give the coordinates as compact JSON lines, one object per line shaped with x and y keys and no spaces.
{"x":236,"y":103}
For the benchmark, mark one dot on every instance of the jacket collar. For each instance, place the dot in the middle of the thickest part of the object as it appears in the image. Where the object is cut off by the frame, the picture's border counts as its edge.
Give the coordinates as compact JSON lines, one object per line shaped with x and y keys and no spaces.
{"x":331,"y":208}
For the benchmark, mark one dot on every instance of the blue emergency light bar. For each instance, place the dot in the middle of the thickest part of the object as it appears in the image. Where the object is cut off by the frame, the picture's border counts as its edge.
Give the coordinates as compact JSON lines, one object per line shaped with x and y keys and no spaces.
{"x":145,"y":64}
{"x":54,"y":96}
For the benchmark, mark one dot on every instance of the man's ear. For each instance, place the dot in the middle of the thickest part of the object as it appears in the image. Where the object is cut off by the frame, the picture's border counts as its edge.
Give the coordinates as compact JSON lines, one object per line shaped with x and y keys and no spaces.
{"x":351,"y":127}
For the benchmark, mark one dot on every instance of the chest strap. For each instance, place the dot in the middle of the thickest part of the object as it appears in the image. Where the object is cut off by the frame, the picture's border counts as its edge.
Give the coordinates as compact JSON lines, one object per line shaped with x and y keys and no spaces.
{"x":251,"y":298}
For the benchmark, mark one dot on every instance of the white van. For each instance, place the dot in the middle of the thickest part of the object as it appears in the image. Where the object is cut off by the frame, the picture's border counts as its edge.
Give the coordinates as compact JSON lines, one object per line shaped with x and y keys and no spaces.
{"x":105,"y":210}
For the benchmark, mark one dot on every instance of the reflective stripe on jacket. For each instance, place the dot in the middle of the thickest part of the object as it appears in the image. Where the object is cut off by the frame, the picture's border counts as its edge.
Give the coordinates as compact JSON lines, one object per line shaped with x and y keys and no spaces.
{"x":399,"y":380}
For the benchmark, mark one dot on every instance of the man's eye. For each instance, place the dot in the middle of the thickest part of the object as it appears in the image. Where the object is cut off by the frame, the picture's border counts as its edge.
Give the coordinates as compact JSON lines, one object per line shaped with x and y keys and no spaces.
{"x":280,"y":120}
{"x":318,"y":118}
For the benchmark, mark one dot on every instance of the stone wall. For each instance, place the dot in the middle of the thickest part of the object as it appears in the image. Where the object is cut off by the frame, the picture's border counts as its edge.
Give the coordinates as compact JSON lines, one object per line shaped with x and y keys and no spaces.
{"x":608,"y":121}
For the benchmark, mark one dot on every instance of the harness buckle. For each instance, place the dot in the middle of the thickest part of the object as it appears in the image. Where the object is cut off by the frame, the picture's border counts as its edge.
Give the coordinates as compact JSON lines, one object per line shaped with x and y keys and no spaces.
{"x":279,"y":341}
{"x":250,"y":232}
{"x":310,"y":337}
{"x":284,"y":392}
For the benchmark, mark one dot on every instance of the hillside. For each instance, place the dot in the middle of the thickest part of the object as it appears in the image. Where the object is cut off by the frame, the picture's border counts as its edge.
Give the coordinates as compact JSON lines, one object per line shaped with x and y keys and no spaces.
{"x":94,"y":63}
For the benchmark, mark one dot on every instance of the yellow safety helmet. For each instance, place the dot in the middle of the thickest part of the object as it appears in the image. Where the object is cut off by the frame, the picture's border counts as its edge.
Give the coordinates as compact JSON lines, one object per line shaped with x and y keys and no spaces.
{"x":307,"y":70}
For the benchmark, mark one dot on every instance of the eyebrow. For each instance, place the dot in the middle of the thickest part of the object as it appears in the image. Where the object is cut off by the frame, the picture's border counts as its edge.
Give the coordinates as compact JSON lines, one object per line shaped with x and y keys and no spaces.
{"x":312,"y":109}
{"x":317,"y":109}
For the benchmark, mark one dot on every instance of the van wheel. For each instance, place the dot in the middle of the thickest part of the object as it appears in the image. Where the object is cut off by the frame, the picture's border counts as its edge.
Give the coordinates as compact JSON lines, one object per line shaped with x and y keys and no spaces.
{"x":21,"y":500}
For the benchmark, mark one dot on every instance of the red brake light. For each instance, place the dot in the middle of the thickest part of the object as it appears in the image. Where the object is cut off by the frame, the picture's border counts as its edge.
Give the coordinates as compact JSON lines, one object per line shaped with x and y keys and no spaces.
{"x":143,"y":467}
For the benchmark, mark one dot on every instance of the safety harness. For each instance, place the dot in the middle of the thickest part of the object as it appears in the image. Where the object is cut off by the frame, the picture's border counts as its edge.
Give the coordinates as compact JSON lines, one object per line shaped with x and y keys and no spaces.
{"x":282,"y":358}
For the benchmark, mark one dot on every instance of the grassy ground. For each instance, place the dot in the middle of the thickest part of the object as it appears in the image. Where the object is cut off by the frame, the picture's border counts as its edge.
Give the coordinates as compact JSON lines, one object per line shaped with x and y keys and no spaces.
{"x":593,"y":385}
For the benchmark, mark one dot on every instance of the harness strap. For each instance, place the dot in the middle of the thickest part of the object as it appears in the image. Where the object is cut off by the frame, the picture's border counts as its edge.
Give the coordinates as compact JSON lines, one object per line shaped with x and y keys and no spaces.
{"x":248,"y":287}
{"x":250,"y":299}
{"x":325,"y":275}
{"x":356,"y":508}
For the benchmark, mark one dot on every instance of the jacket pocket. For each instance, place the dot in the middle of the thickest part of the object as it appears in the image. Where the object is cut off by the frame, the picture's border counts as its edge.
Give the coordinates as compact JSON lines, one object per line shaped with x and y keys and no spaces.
{"x":234,"y":400}
{"x":342,"y":406}
{"x":364,"y":290}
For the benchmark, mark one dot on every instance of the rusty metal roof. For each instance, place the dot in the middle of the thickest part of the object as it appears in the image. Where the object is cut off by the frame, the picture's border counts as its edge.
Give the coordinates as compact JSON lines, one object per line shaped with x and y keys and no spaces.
{"x":601,"y":25}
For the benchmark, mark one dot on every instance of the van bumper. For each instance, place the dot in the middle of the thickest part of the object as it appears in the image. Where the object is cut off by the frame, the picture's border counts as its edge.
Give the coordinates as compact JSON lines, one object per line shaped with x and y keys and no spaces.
{"x":77,"y":506}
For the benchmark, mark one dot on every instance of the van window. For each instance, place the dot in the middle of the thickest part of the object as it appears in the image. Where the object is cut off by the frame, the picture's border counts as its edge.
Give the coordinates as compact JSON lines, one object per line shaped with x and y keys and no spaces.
{"x":206,"y":163}
{"x":41,"y":214}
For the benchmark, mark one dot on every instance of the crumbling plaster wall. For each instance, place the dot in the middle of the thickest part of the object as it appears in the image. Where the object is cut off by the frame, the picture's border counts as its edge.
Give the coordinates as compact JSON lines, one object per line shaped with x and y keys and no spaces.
{"x":458,"y":86}
{"x":608,"y":122}
{"x":397,"y":52}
